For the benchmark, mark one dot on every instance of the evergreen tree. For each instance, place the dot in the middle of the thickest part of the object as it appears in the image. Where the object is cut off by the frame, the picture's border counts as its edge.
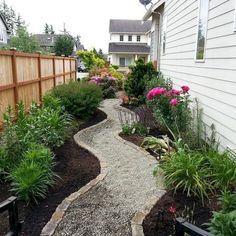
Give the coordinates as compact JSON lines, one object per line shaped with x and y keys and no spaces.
{"x":64,"y":45}
{"x":52,"y":30}
{"x":46,"y":29}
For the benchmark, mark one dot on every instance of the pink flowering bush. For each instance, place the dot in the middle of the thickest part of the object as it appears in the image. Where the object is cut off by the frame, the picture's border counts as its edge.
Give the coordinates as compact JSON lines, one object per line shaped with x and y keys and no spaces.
{"x":171,"y":108}
{"x":107,"y":83}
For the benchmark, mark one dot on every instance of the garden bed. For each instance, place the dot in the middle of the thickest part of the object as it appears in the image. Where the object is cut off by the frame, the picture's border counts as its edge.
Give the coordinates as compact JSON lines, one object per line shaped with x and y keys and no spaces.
{"x":75,"y":166}
{"x":177,"y":205}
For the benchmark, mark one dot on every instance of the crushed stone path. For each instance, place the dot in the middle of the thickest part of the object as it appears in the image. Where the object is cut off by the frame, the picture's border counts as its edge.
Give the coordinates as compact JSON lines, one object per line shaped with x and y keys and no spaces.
{"x":108,"y":208}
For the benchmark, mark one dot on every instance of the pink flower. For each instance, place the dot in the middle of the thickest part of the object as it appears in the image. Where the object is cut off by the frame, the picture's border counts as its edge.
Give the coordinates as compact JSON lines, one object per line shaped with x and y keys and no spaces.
{"x":155,"y":92}
{"x":168,"y":94}
{"x":111,"y":78}
{"x":185,"y":88}
{"x":175,"y":92}
{"x":173,"y":102}
{"x":172,"y":209}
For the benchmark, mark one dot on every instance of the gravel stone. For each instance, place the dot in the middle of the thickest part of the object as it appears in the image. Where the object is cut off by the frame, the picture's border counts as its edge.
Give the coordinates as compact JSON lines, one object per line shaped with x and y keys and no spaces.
{"x":108,"y":208}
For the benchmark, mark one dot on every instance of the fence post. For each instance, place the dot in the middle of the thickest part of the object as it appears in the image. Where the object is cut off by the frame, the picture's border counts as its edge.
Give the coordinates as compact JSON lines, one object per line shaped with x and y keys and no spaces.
{"x":54,"y":72}
{"x":75,"y":67}
{"x":14,"y":74}
{"x":40,"y":76}
{"x":64,"y":70}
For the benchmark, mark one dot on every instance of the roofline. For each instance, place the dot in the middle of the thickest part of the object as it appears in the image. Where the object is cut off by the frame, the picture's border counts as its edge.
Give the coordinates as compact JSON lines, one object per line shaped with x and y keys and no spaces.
{"x":151,"y":10}
{"x":147,"y":53}
{"x":112,"y":32}
{"x":5,"y":23}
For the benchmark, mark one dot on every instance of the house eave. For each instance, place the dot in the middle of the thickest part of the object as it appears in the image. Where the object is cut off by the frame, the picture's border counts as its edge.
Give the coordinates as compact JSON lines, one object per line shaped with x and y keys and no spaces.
{"x":152,"y":9}
{"x":144,"y":53}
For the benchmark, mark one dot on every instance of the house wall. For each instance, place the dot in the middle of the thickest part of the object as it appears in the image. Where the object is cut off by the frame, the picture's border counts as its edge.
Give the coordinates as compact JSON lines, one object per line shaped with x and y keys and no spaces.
{"x":116,"y":38}
{"x":3,"y":33}
{"x":213,"y":81}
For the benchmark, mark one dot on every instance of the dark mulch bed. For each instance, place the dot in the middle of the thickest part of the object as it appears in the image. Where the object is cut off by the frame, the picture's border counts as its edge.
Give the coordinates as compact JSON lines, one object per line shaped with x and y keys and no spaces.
{"x":75,"y":166}
{"x":157,"y":225}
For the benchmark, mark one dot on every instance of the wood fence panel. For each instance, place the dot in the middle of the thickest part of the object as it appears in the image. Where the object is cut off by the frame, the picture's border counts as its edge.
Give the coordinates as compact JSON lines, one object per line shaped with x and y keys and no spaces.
{"x":27,"y":68}
{"x":47,"y":85}
{"x":27,"y":77}
{"x":6,"y":99}
{"x":29,"y":93}
{"x":46,"y":67}
{"x":6,"y":70}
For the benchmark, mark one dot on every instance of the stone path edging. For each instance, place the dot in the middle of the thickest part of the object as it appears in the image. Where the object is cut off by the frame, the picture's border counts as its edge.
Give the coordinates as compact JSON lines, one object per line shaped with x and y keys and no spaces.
{"x":57,"y":216}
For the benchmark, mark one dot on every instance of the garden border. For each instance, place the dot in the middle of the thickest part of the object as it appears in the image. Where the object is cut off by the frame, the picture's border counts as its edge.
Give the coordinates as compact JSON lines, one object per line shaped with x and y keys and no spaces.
{"x":57,"y":216}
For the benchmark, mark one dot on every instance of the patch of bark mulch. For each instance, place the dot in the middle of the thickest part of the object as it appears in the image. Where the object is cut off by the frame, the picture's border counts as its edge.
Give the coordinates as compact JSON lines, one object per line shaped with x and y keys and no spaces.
{"x":161,"y":220}
{"x":75,"y":166}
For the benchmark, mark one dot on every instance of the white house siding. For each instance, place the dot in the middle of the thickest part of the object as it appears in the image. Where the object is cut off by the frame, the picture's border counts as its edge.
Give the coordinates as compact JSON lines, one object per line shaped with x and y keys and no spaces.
{"x":213,"y":82}
{"x":3,"y":33}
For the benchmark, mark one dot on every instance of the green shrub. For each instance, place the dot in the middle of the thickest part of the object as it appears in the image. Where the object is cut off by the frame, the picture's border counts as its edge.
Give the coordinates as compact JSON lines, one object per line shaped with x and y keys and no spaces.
{"x":187,"y":172}
{"x":135,"y":128}
{"x":31,"y":179}
{"x":109,"y":87}
{"x":48,"y":126}
{"x":223,"y":224}
{"x":135,"y":85}
{"x":159,"y":81}
{"x":79,"y":99}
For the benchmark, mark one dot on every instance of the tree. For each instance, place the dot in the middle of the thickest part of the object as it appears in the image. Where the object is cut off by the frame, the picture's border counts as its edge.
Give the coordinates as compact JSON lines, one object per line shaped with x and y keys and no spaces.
{"x":64,"y":45}
{"x":46,"y":29}
{"x":10,"y":17}
{"x":52,"y":30}
{"x":23,"y":41}
{"x":91,"y":59}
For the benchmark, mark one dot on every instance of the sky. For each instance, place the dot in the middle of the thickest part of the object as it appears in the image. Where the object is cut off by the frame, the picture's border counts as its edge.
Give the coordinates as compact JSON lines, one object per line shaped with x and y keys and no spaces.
{"x":87,"y":18}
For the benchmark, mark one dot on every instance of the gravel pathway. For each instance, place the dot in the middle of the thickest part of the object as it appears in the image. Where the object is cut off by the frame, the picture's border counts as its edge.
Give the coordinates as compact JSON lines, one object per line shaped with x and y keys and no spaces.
{"x":108,"y":208}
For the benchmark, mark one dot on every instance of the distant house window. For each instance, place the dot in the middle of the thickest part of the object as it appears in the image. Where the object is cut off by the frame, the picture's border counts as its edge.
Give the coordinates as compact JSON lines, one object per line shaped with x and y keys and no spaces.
{"x":121,"y":38}
{"x":164,"y":35}
{"x":138,"y":38}
{"x":130,"y":38}
{"x":202,"y":29}
{"x":125,"y":61}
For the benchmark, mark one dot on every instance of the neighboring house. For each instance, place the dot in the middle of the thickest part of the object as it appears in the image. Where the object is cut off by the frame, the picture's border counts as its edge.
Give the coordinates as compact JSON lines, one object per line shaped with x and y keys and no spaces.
{"x":128,"y":42}
{"x":4,"y":32}
{"x":194,"y":43}
{"x":46,"y":41}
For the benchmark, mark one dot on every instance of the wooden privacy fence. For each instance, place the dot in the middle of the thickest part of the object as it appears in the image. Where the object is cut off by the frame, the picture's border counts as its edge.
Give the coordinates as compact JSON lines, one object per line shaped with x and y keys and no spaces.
{"x":26,"y":77}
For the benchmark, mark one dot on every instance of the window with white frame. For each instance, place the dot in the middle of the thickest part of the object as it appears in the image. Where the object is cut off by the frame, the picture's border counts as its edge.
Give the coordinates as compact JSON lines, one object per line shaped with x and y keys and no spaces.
{"x":121,"y":38}
{"x":125,"y":61}
{"x":130,"y":38}
{"x":164,"y":35}
{"x":202,"y":29}
{"x":138,"y":38}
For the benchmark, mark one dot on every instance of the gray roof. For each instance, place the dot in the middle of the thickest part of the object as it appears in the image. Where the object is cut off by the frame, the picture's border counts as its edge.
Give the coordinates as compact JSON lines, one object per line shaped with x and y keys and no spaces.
{"x":46,"y":40}
{"x":129,"y":26}
{"x":129,"y":48}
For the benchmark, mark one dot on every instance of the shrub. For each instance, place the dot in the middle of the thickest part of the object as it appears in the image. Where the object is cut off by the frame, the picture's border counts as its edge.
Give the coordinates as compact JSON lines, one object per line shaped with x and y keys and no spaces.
{"x":171,"y":108}
{"x":223,"y":223}
{"x":135,"y":85}
{"x":48,"y":126}
{"x":79,"y":99}
{"x":108,"y":84}
{"x":187,"y":172}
